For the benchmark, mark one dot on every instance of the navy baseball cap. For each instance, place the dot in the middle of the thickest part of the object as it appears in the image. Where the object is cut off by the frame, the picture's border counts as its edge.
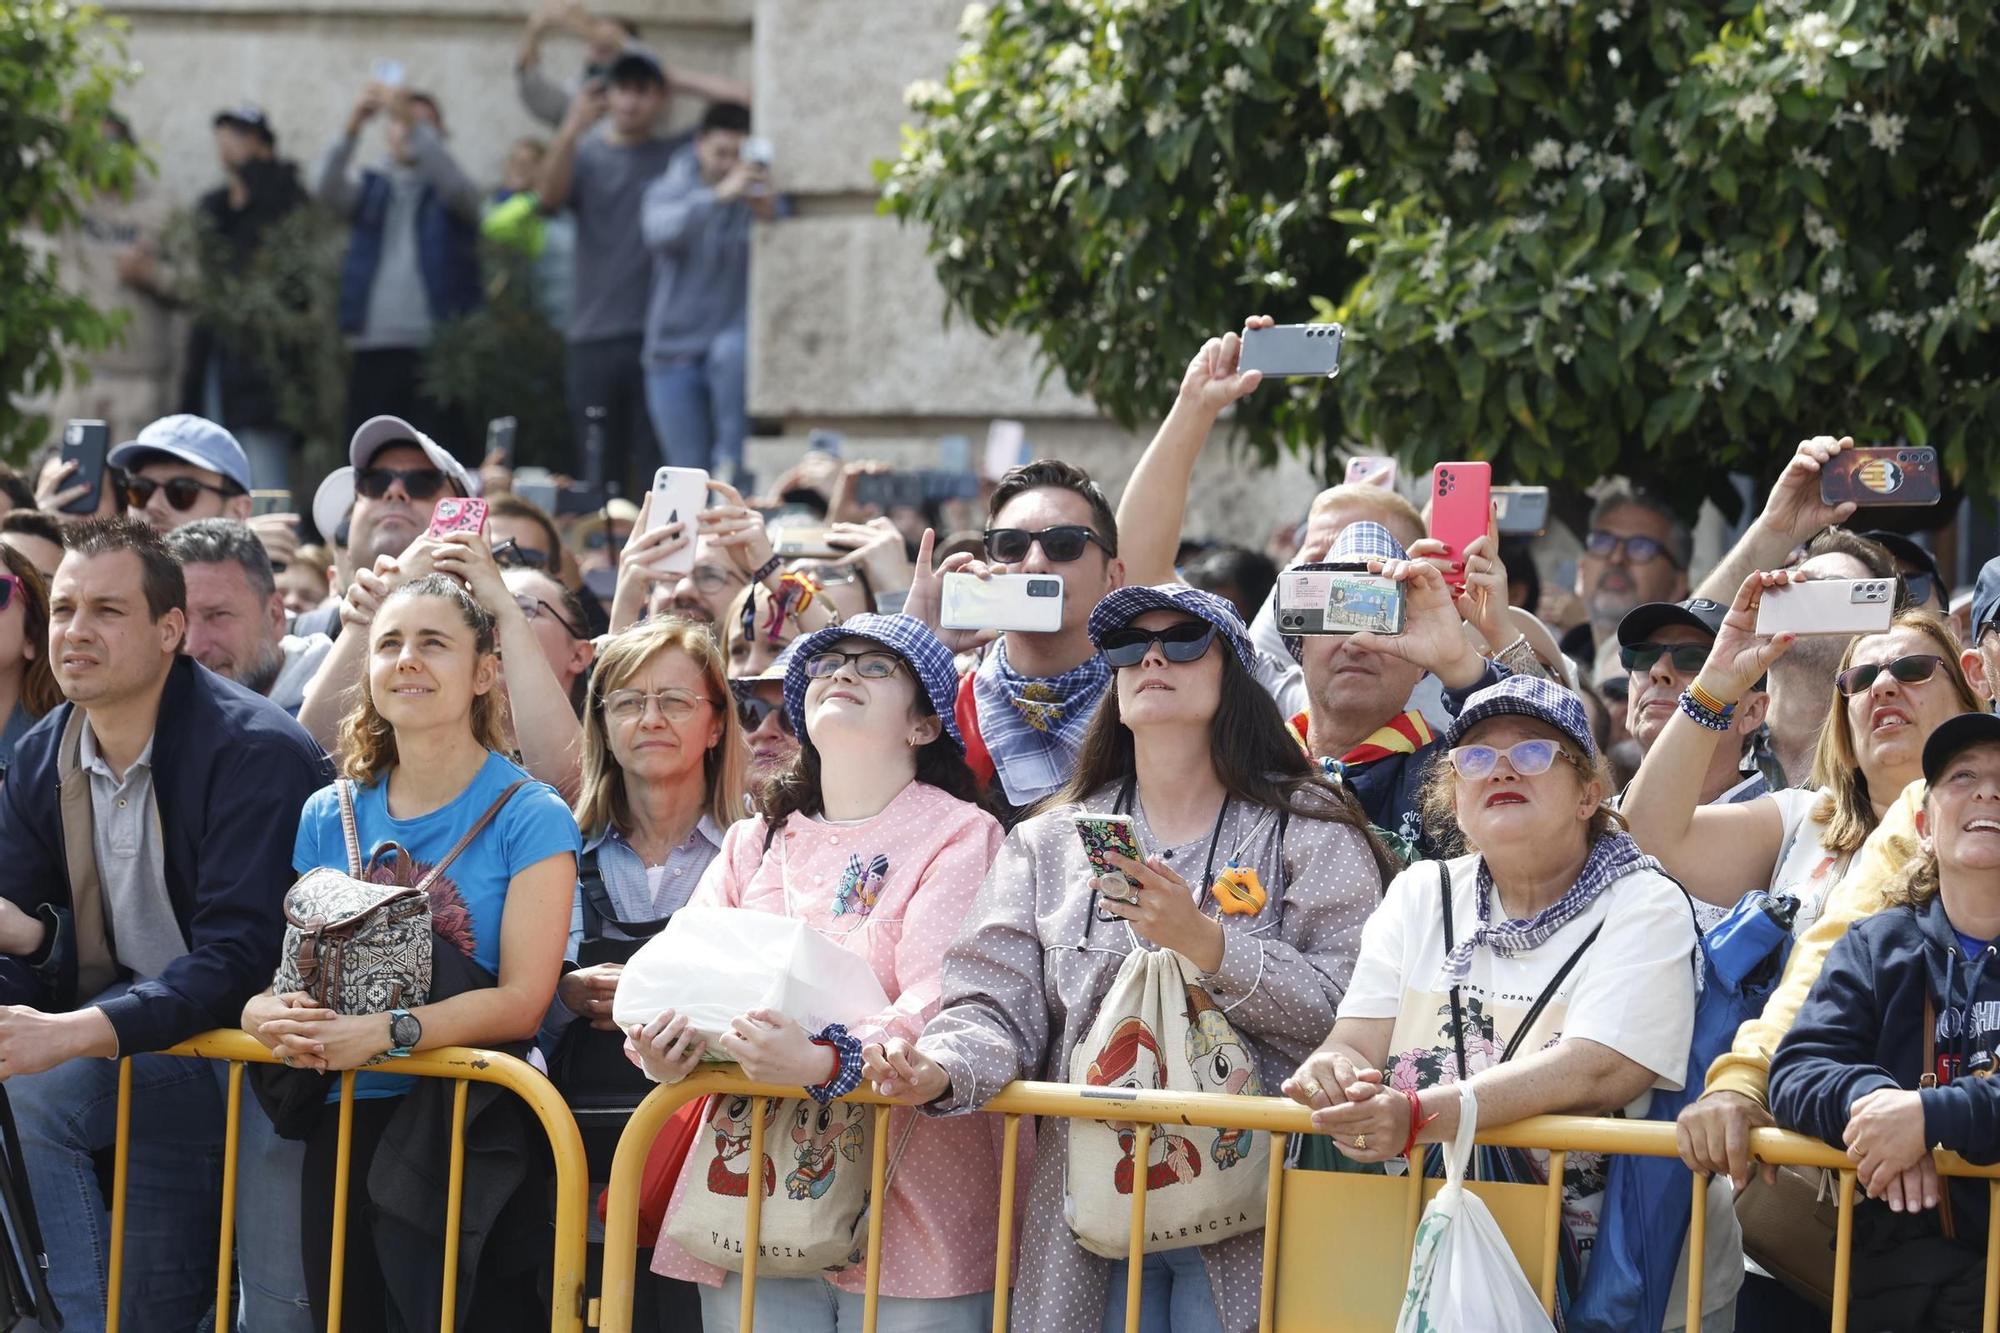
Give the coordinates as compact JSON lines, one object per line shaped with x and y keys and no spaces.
{"x":907,"y":637}
{"x":187,"y":439}
{"x":635,"y":64}
{"x":248,"y":116}
{"x":1527,"y":696}
{"x":1696,"y":613}
{"x":1985,"y":598}
{"x":1956,"y":734}
{"x":1123,"y":605}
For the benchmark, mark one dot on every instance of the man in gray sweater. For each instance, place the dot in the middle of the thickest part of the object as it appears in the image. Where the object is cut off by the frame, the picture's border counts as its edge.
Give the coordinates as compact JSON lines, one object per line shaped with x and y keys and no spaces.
{"x":696,"y":223}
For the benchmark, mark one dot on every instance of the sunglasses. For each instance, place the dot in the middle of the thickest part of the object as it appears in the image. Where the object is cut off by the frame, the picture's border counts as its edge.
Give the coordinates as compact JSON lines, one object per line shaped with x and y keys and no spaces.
{"x":534,"y":608}
{"x":600,"y":538}
{"x":752,"y":712}
{"x":1186,"y":642}
{"x":1638,"y":550}
{"x":1912,"y":670}
{"x":10,"y":584}
{"x":510,"y":554}
{"x":1527,"y":758}
{"x":1009,"y":546}
{"x":182,"y":492}
{"x":420,"y":483}
{"x":1615,"y":689}
{"x":1687,"y":657}
{"x":868,"y":666}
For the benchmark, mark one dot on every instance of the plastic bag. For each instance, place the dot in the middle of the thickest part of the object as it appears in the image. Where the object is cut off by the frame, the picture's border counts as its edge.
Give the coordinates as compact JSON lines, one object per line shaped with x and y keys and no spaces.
{"x":1463,"y":1277}
{"x":714,"y":964}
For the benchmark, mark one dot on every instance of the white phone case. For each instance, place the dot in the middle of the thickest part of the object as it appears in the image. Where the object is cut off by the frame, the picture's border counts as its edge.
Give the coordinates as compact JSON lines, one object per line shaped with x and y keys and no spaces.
{"x":1828,"y":606}
{"x":1018,"y":603}
{"x":679,"y":493}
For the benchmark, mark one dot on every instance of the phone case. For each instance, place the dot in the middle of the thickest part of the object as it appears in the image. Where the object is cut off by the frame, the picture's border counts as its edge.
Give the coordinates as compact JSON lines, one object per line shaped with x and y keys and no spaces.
{"x":454,"y":514}
{"x":803,"y":542}
{"x":86,"y":443}
{"x":1324,"y":601}
{"x":1461,"y":509}
{"x":1828,"y":606}
{"x":1102,"y":834}
{"x":1016,"y":603}
{"x":1372,"y":470}
{"x":1294,"y":350}
{"x":1891,"y":476}
{"x":679,"y":493}
{"x":1521,"y":511}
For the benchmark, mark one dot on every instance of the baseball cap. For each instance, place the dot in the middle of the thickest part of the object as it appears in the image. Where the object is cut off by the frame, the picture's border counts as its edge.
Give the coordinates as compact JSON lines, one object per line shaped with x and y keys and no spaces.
{"x":249,"y":116}
{"x":1696,"y":613}
{"x":1909,"y":552}
{"x":336,"y":494}
{"x":907,"y":637}
{"x":1985,"y":597}
{"x":1527,"y":696}
{"x":1123,"y":605}
{"x":1956,"y":734}
{"x":187,"y":439}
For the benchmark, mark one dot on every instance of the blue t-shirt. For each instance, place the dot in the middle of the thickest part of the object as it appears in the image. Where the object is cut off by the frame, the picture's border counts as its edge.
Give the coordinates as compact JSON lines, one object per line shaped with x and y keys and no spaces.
{"x":534,"y":825}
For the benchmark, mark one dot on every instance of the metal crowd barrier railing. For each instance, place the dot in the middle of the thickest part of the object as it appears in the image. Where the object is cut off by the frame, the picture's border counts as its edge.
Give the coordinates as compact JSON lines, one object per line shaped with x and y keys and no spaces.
{"x":463,"y":1065}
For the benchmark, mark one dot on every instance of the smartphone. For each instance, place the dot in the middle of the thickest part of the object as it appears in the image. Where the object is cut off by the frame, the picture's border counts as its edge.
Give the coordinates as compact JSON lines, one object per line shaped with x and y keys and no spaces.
{"x":1103,"y":834}
{"x":456,"y":514}
{"x":1018,"y":603}
{"x":270,"y":502}
{"x":826,"y":442}
{"x":500,"y":439}
{"x":1372,"y":470}
{"x":679,"y":494}
{"x":85,"y":443}
{"x":1828,"y":606}
{"x":758,"y":152}
{"x":1294,"y":350}
{"x":1891,"y":476}
{"x":389,"y":73}
{"x":804,"y":541}
{"x":1327,"y":601}
{"x":1461,"y":510}
{"x":1521,"y":511}
{"x":536,"y":485}
{"x":1006,"y":448}
{"x":887,"y":490}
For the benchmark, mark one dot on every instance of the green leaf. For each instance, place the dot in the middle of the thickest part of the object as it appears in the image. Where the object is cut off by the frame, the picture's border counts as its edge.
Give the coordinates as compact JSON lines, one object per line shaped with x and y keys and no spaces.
{"x":1913,"y":427}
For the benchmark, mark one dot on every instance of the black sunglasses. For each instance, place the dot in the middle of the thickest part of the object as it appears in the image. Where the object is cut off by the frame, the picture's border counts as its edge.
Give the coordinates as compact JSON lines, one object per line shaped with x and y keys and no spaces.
{"x":419,"y":483}
{"x":600,"y":538}
{"x":1186,"y":642}
{"x":182,"y":492}
{"x":1687,"y":657}
{"x":510,"y":554}
{"x":752,"y":712}
{"x":1062,"y":544}
{"x":1917,"y":588}
{"x":1912,"y":670}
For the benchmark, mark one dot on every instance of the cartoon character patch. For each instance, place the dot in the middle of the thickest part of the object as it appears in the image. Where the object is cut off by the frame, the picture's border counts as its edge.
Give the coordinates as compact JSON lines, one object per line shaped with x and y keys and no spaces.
{"x":860,"y":886}
{"x":1221,"y":1063}
{"x":1131,"y":1059}
{"x":730,"y":1123}
{"x":822,"y":1135}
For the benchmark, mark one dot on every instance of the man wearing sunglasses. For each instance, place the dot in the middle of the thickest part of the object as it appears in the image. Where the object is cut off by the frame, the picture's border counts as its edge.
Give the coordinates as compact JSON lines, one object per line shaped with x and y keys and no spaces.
{"x":395,"y":476}
{"x":1662,"y":646}
{"x":1636,"y":551}
{"x":1923,"y":587}
{"x":183,"y":468}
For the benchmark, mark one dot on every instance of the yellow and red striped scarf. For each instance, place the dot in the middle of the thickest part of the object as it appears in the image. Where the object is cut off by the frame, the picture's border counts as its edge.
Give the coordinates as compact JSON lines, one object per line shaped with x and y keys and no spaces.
{"x":1405,"y":734}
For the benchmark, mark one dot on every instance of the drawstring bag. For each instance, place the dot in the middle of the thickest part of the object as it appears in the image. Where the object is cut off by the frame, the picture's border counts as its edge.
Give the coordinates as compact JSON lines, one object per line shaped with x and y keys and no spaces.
{"x":1463,"y":1277}
{"x":1160,"y":1028}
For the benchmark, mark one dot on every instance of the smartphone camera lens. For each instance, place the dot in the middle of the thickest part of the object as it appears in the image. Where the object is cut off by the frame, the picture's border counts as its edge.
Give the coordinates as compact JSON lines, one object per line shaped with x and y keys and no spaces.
{"x":1044,"y":588}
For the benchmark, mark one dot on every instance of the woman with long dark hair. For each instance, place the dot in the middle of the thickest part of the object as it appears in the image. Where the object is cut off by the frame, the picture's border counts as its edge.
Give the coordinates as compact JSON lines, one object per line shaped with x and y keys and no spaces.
{"x":27,"y":684}
{"x":1195,"y":753}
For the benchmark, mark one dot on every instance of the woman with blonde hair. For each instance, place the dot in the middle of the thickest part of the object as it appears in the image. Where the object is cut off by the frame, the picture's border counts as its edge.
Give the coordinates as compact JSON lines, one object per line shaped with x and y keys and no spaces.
{"x":27,"y":684}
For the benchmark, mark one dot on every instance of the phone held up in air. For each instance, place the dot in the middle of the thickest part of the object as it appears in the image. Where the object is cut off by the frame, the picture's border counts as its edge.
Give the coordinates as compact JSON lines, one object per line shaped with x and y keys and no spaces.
{"x":1293,"y":350}
{"x":1372,"y":470}
{"x":1338,"y":601}
{"x":1102,"y":835}
{"x":1461,"y":510}
{"x":679,"y":493}
{"x":500,"y":434}
{"x":1828,"y":606}
{"x":86,"y":443}
{"x":458,"y":514}
{"x":270,"y":502}
{"x":1011,"y":603}
{"x":1889,"y":476}
{"x":1521,"y":511}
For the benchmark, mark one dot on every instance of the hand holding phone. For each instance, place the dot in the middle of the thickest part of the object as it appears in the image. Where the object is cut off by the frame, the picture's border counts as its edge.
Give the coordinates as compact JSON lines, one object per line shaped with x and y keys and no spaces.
{"x":86,"y":443}
{"x":458,"y":514}
{"x":1886,"y":476}
{"x":1828,"y":606}
{"x":1102,"y":835}
{"x":1294,"y":350}
{"x":1010,"y":603}
{"x":679,"y":495}
{"x":1521,"y":511}
{"x":1461,"y":511}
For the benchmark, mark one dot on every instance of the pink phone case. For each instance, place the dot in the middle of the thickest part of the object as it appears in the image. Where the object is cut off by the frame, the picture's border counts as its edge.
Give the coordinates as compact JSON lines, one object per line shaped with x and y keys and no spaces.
{"x":1461,"y":510}
{"x":458,"y":515}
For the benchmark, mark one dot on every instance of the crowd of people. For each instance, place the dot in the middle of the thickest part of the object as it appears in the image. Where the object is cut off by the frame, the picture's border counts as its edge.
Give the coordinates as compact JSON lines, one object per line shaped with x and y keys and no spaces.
{"x":1384,"y":864}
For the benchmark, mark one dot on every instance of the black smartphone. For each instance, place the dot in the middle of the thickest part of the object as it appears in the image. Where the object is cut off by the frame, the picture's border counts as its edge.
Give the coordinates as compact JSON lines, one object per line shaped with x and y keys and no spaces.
{"x":500,"y":439}
{"x":85,"y":443}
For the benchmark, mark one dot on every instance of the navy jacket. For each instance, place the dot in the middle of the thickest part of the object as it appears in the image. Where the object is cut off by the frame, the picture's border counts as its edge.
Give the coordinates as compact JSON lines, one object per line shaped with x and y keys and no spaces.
{"x":1861,"y":1029}
{"x":447,"y":255}
{"x":231,"y":772}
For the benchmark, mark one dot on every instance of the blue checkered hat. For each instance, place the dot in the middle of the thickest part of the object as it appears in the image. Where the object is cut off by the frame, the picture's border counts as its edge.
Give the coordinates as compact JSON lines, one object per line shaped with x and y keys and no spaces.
{"x":907,"y":637}
{"x":1355,"y":544}
{"x":1527,"y":696}
{"x":1125,"y":604}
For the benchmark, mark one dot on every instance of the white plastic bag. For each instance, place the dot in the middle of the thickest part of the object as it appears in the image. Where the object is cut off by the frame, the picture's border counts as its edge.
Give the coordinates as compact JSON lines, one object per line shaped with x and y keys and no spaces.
{"x":714,"y":964}
{"x":1463,"y":1277}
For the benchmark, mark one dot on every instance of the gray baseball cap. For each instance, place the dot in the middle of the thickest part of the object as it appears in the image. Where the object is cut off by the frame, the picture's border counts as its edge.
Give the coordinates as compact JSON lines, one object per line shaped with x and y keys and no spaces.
{"x":335,"y":495}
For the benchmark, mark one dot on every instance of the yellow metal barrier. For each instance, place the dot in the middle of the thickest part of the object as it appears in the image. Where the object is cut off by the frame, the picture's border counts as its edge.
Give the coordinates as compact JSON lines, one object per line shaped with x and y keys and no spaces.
{"x":465,"y":1066}
{"x":1559,"y":1135}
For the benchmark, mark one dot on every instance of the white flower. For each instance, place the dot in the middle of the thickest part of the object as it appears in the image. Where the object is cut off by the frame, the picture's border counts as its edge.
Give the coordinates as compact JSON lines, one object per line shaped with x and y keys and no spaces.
{"x":1886,"y":321}
{"x":1756,"y":108}
{"x":1829,"y":281}
{"x":1236,"y":35}
{"x":1575,"y":154}
{"x":1115,"y":176}
{"x":1819,"y":231}
{"x":1695,"y":271}
{"x":1819,"y":164}
{"x":1531,"y":329}
{"x":1816,"y":33}
{"x":1564,"y":353}
{"x":1527,"y":224}
{"x":1721,"y":377}
{"x":1592,"y":183}
{"x":1446,"y":330}
{"x":1546,"y":155}
{"x":1481,"y":273}
{"x":1609,"y":20}
{"x":1623,"y":114}
{"x":972,"y":19}
{"x":1454,"y":88}
{"x":1885,"y":131}
{"x":1802,"y":304}
{"x":1655,"y":297}
{"x":1985,"y":256}
{"x":1236,"y":78}
{"x":1924,"y":274}
{"x":1178,"y":66}
{"x":1327,"y":145}
{"x":1914,"y":241}
{"x":923,"y":93}
{"x":1944,"y":28}
{"x":1402,"y":71}
{"x":1463,"y":161}
{"x":1582,"y":284}
{"x":957,"y":248}
{"x":1163,"y":120}
{"x":1478,"y":63}
{"x":1069,"y":62}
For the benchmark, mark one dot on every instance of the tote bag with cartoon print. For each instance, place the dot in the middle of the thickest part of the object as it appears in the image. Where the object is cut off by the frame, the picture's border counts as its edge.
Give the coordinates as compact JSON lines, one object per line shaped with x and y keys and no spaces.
{"x":1160,"y":1028}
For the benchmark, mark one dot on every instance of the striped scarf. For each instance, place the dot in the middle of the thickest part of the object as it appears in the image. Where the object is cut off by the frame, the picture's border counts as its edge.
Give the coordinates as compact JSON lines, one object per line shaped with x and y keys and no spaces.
{"x":1404,"y":734}
{"x":1611,"y":858}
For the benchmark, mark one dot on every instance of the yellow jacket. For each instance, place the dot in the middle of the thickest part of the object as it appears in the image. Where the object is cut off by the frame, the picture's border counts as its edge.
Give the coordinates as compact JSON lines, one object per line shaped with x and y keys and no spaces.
{"x":1746,"y":1066}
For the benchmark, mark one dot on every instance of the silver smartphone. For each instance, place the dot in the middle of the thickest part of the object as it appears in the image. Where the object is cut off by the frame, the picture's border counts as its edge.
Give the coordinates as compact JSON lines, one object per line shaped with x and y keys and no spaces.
{"x":1294,"y":350}
{"x":1012,"y":603}
{"x":1828,"y":606}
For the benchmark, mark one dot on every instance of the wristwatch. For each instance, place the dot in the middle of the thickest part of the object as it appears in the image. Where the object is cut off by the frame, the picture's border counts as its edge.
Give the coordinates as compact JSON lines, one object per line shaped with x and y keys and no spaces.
{"x":405,"y":1031}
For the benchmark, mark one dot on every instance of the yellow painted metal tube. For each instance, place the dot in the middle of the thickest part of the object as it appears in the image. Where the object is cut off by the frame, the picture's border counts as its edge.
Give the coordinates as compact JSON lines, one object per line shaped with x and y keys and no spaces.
{"x":121,"y":1166}
{"x":342,"y":1156}
{"x":225,"y":1250}
{"x":1135,"y":1249}
{"x":1003,"y":1253}
{"x":878,"y":1204}
{"x":1552,"y":1220}
{"x":1267,"y":1300}
{"x":1989,"y":1310}
{"x":1697,"y":1251}
{"x":454,"y":1206}
{"x":1843,"y":1252}
{"x":753,"y":1214}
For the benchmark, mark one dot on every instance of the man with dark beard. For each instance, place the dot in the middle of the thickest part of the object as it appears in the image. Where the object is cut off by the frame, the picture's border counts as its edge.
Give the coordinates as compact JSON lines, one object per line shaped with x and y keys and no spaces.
{"x":236,"y":616}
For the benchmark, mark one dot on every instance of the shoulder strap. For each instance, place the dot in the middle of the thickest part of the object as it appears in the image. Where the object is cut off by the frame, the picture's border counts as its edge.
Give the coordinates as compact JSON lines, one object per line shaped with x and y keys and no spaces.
{"x":1457,"y":1006}
{"x":347,"y":826}
{"x":478,"y":827}
{"x":598,"y":909}
{"x":1549,"y":992}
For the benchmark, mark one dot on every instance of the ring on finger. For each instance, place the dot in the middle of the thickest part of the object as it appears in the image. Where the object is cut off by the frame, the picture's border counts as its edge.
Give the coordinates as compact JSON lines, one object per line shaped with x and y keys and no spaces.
{"x":1361,"y":1142}
{"x":1313,"y":1089}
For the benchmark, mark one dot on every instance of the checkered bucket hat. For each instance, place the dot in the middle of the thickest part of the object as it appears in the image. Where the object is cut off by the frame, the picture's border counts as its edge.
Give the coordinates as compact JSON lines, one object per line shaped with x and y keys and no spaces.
{"x":907,"y":637}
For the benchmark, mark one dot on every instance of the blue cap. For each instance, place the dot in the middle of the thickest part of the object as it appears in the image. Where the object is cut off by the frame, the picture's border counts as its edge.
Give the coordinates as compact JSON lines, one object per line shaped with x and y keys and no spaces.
{"x":907,"y":637}
{"x":187,"y":439}
{"x":1527,"y":696}
{"x":1124,"y":605}
{"x":1985,"y":598}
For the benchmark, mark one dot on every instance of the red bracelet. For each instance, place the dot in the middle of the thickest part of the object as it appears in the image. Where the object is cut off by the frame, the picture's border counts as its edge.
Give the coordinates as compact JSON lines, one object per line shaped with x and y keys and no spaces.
{"x":1418,"y":1123}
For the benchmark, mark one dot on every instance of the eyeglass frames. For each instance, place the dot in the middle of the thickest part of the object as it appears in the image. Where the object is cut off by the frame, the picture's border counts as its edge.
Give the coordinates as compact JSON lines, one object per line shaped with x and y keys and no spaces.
{"x":1528,"y":758}
{"x":1914,"y":669}
{"x":534,"y":608}
{"x":674,"y":705}
{"x":510,"y":554}
{"x":1638,"y":550}
{"x":873,"y":665}
{"x":1186,"y":642}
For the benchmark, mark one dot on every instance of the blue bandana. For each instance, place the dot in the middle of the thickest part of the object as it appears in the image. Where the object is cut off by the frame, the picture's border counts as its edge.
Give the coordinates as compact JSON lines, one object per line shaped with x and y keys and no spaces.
{"x":1033,"y":725}
{"x":1612,"y":857}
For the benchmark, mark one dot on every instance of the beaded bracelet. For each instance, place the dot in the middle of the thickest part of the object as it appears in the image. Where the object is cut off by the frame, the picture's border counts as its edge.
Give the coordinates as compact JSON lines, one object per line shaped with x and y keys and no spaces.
{"x":1704,"y":715}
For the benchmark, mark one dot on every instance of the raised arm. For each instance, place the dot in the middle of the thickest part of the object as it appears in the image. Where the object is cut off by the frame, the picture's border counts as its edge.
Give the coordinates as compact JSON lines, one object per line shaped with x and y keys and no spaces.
{"x":559,"y":165}
{"x":440,"y":170}
{"x":1792,"y":514}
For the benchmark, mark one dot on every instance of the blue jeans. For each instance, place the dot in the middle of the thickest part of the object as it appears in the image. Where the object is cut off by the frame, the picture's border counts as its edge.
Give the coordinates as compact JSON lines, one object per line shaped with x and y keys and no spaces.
{"x":809,"y":1305}
{"x":698,"y":407}
{"x":1174,"y":1295}
{"x":173,"y":1198}
{"x":271,"y":1296}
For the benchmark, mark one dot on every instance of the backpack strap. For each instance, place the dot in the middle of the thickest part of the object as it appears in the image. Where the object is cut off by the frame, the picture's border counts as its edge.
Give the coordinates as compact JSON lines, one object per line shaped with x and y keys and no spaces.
{"x":1457,"y":1005}
{"x":347,"y":827}
{"x":478,"y":827}
{"x":598,"y":909}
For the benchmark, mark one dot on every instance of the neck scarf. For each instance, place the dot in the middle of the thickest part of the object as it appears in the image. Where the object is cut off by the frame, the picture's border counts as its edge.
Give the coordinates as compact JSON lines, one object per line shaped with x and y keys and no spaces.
{"x":1611,"y":858}
{"x":1034,"y":725}
{"x":1405,"y":734}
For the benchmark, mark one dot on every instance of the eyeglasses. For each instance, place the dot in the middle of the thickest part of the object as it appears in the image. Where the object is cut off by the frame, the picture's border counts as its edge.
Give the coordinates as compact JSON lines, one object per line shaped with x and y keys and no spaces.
{"x":1187,"y":641}
{"x":9,"y":585}
{"x":510,"y":554}
{"x":1527,"y":758}
{"x":1912,"y":670}
{"x":1687,"y":657}
{"x":419,"y":483}
{"x":182,"y":492}
{"x":1638,"y":550}
{"x":868,"y":665}
{"x":713,"y":578}
{"x":674,"y":705}
{"x":1061,"y":544}
{"x":752,"y":712}
{"x":534,"y":608}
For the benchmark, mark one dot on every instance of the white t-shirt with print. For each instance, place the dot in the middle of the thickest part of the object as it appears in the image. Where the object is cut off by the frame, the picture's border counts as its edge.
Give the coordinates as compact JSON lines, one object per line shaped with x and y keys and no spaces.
{"x":1805,"y":868}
